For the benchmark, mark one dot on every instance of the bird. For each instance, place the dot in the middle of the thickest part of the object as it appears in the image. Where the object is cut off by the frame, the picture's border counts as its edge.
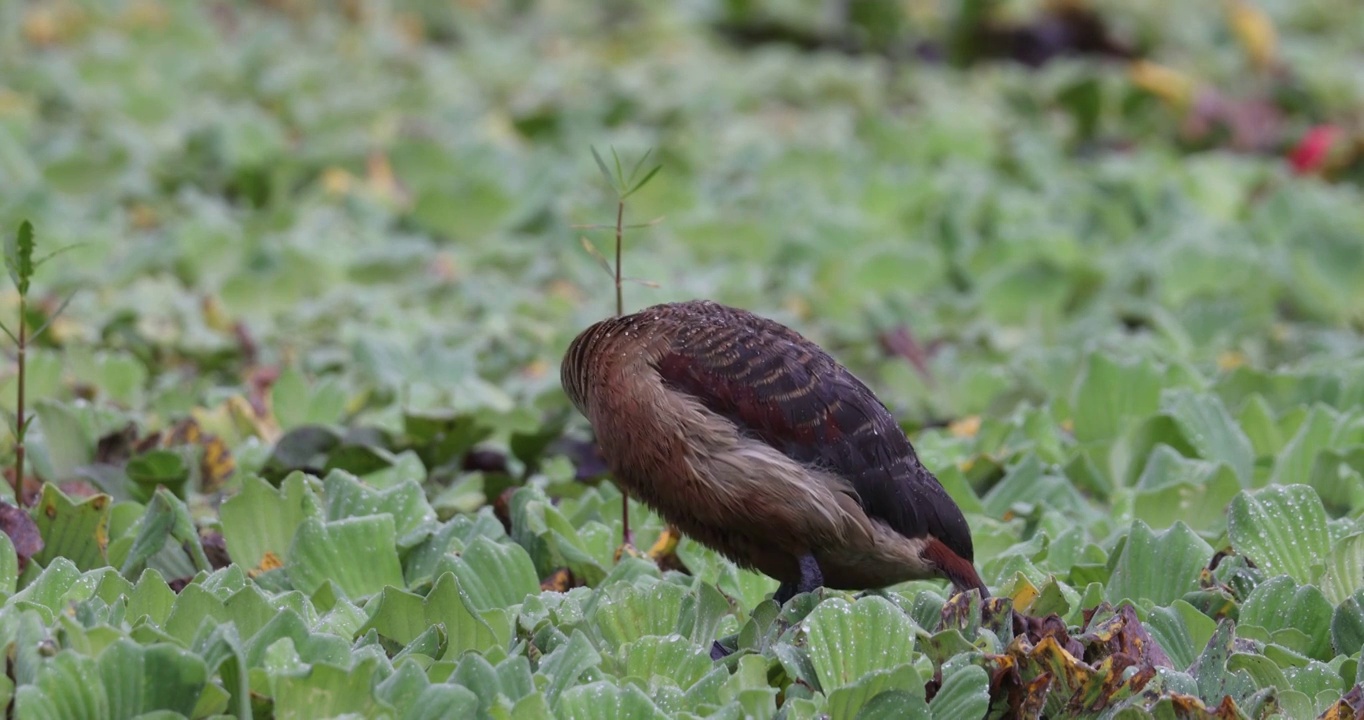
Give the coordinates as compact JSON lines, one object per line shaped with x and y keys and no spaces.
{"x":755,"y":442}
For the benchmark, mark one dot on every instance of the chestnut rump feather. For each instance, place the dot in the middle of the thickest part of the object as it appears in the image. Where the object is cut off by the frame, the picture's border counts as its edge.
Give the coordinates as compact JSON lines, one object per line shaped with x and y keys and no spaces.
{"x":755,"y":442}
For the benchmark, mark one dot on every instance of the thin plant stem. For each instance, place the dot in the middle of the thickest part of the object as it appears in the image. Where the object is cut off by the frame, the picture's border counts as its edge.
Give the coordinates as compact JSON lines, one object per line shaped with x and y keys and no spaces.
{"x":620,"y":310}
{"x":625,"y":186}
{"x":620,"y":234}
{"x":19,"y":423}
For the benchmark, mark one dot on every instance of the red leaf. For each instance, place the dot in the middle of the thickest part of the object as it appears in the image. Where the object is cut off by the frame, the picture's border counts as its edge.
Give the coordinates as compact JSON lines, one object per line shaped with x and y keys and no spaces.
{"x":1310,"y":153}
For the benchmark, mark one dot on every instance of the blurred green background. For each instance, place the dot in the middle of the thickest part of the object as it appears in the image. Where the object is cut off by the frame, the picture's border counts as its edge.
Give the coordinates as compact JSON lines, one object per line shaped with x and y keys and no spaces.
{"x":386,"y":192}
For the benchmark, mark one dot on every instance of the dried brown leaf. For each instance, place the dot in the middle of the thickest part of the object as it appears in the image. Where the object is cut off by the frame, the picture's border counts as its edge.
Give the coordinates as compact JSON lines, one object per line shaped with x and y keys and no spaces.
{"x":560,"y":580}
{"x":117,"y":446}
{"x":22,"y":531}
{"x":1348,"y":707}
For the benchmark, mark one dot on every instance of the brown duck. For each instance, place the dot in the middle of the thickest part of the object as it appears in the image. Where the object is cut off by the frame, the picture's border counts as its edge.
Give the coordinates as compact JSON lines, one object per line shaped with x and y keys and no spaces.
{"x":755,"y":442}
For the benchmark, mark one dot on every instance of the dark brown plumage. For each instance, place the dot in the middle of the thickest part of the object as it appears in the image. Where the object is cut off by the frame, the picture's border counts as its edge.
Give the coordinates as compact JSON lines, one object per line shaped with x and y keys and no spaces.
{"x":755,"y":442}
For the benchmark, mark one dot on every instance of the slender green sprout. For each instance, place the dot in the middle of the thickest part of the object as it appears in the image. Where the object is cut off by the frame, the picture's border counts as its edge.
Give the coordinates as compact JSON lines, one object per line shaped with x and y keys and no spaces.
{"x":624,"y":186}
{"x":21,"y":265}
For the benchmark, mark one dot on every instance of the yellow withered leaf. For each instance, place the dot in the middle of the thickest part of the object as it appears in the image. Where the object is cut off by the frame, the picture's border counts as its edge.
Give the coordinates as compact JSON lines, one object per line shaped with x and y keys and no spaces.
{"x":381,"y":181}
{"x":966,"y":427}
{"x":665,"y":545}
{"x":537,"y":368}
{"x":337,"y":181}
{"x":1024,"y":593}
{"x":215,"y":315}
{"x":145,"y":14}
{"x":143,"y":216}
{"x":217,"y":463}
{"x":1254,"y":30}
{"x":269,"y":561}
{"x":13,"y":103}
{"x":185,"y":432}
{"x":41,"y":26}
{"x":1230,"y":360}
{"x":245,"y":417}
{"x":410,"y":27}
{"x":1166,"y":83}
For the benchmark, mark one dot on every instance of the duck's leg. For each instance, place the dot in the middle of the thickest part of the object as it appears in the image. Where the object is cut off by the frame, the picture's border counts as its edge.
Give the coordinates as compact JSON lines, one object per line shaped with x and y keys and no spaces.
{"x":811,"y":579}
{"x":785,"y":591}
